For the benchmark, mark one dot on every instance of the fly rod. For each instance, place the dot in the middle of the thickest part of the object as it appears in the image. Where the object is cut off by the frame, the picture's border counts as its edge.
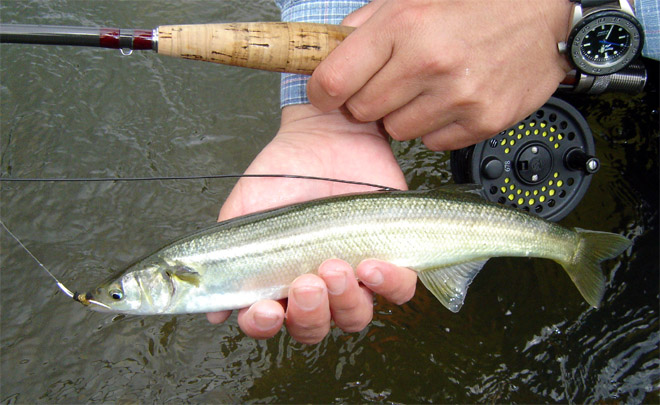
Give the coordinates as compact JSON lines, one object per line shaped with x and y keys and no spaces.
{"x":274,"y":46}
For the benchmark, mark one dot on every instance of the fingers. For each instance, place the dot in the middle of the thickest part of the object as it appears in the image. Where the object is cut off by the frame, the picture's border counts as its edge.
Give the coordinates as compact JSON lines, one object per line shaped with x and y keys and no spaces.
{"x":336,"y":294}
{"x":396,"y":284}
{"x":262,"y":320}
{"x":217,"y":317}
{"x":471,"y":125}
{"x":338,"y":76}
{"x":445,"y":125}
{"x":308,"y":309}
{"x":418,"y":117}
{"x":333,"y":295}
{"x":371,"y":103}
{"x":351,"y":305}
{"x":451,"y":137}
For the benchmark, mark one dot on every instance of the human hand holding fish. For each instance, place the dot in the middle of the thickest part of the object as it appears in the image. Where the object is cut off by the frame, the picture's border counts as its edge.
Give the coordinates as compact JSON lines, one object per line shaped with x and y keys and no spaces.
{"x":330,"y":145}
{"x":465,"y":232}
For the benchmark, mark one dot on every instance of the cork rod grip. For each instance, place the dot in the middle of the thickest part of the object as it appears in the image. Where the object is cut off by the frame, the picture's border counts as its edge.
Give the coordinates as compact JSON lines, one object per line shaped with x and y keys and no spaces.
{"x":274,"y":46}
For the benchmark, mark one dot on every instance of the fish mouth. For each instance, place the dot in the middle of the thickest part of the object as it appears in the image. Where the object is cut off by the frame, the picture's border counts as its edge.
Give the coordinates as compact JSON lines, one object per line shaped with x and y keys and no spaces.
{"x":88,"y":299}
{"x":99,"y":306}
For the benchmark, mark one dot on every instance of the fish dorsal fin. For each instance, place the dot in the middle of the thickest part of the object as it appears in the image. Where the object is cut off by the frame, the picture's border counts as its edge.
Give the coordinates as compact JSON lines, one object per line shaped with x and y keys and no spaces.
{"x":469,"y":188}
{"x":185,"y":274}
{"x":469,"y":192}
{"x":449,"y":284}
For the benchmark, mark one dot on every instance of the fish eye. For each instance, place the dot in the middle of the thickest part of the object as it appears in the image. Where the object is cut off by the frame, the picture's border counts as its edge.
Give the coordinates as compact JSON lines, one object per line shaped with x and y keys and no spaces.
{"x":116,"y":295}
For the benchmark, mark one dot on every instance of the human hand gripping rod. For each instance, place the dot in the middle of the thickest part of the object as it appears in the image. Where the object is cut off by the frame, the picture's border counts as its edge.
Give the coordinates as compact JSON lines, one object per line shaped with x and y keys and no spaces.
{"x":274,"y":46}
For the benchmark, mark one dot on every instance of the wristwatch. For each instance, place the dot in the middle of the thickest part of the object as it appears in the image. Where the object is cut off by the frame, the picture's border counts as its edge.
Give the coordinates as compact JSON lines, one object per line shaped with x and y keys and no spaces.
{"x":604,"y":38}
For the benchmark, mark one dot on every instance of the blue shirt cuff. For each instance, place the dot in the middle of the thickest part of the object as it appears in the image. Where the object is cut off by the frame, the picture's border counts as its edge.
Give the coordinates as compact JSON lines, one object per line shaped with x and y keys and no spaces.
{"x":293,"y":87}
{"x":648,"y":13}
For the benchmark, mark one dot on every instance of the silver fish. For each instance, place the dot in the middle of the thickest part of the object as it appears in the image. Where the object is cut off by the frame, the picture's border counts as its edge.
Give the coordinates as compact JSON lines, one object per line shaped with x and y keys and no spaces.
{"x":446,"y":236}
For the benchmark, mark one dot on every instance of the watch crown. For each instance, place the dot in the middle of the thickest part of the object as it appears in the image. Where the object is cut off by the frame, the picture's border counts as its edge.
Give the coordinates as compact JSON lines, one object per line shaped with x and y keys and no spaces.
{"x":562,"y":47}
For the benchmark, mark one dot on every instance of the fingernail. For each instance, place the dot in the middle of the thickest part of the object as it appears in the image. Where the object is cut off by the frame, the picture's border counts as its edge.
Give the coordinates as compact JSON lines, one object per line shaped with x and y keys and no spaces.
{"x":335,"y":281}
{"x":308,"y":298}
{"x":372,"y":277}
{"x":265,"y":320}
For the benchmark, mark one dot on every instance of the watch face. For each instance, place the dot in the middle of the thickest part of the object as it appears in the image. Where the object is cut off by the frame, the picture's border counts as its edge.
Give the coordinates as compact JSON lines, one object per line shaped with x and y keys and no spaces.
{"x":605,"y":43}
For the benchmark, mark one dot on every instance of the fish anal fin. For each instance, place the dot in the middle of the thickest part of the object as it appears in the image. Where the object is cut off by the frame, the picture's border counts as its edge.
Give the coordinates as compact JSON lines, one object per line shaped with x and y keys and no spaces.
{"x":449,"y":283}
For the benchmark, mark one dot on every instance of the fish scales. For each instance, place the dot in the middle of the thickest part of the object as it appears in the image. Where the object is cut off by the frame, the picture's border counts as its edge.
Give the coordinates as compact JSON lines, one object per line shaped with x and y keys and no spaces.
{"x":445,"y":236}
{"x":365,"y":229}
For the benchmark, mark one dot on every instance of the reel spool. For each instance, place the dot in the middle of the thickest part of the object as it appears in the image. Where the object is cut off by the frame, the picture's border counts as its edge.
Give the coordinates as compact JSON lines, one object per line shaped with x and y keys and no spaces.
{"x":542,"y":164}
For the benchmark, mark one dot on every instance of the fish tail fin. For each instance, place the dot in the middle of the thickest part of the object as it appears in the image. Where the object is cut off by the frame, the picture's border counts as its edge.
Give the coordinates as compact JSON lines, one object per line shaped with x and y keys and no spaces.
{"x":584,"y":269}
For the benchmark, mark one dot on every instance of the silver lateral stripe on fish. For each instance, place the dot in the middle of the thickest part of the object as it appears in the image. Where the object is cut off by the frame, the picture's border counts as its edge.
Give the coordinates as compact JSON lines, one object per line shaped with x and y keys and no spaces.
{"x":444,"y":235}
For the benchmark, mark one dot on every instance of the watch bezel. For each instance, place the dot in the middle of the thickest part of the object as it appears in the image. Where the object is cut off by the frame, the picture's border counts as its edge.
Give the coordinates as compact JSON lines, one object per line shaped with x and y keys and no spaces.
{"x":590,"y":22}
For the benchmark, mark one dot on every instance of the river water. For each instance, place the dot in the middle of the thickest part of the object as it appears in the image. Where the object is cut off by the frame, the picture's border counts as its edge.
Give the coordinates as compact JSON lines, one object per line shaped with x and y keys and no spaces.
{"x":524,"y":334}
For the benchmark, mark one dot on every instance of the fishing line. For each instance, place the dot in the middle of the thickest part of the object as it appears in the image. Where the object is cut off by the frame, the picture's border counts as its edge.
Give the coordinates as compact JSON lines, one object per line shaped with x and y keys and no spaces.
{"x":62,"y":287}
{"x":83,"y":299}
{"x":200,"y":177}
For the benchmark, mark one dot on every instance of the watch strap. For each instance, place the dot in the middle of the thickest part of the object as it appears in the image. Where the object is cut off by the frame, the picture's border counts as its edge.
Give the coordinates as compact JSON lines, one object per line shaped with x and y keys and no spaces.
{"x":594,"y":3}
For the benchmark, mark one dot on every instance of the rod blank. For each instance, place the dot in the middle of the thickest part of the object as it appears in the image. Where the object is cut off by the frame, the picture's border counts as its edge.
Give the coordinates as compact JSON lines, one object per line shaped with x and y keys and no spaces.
{"x":114,"y":38}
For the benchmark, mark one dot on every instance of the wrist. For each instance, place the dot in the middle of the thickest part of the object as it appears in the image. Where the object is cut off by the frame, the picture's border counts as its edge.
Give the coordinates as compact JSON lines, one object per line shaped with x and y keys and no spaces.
{"x":558,"y":14}
{"x":307,"y":119}
{"x":298,"y":112}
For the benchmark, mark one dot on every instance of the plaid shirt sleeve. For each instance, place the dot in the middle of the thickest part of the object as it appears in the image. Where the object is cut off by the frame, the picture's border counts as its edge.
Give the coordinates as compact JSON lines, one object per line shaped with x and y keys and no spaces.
{"x":648,"y":13}
{"x":293,"y":87}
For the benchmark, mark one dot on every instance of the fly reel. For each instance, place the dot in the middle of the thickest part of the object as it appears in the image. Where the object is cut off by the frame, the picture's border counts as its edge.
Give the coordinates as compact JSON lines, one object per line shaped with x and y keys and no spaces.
{"x":542,"y":164}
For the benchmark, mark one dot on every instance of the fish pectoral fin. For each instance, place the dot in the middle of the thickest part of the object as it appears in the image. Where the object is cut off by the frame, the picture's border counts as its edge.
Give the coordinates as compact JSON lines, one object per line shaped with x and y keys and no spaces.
{"x":185,"y":274}
{"x":449,"y":284}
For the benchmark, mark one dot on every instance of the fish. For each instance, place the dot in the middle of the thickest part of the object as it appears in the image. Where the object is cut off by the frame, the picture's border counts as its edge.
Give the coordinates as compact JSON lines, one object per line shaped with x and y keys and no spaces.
{"x":445,"y":235}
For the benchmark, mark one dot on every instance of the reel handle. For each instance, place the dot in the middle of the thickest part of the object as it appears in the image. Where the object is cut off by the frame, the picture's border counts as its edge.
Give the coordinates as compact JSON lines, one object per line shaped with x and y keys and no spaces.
{"x":274,"y":46}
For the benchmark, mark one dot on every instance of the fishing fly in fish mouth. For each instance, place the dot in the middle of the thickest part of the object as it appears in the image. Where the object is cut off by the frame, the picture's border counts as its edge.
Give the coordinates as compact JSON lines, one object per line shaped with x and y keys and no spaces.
{"x":444,"y":235}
